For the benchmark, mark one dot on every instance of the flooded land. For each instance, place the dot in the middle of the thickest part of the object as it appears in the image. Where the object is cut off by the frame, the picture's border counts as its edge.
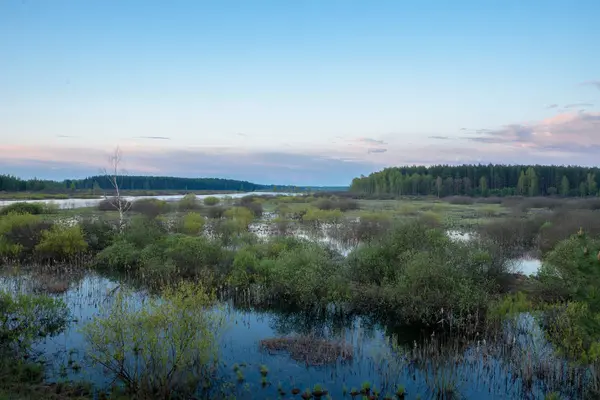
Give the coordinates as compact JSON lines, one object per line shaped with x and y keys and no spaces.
{"x":287,"y":296}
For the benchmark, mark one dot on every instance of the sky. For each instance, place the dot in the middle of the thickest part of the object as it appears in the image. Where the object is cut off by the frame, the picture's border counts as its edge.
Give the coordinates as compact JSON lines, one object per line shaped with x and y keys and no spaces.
{"x":295,"y":92}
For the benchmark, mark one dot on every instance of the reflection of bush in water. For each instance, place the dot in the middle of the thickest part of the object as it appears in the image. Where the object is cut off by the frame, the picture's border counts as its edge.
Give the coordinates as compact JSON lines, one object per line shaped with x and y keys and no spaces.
{"x":311,"y":350}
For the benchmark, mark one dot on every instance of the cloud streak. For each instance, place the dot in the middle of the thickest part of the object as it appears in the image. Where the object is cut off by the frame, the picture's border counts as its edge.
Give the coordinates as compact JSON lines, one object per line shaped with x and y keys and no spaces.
{"x":153,"y":137}
{"x":579,"y":105}
{"x":592,"y":83}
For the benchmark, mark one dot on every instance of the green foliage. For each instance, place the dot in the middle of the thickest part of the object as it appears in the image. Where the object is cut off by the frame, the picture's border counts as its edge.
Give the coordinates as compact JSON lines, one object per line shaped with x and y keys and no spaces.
{"x":150,"y":208}
{"x":19,"y":234}
{"x":188,"y":202}
{"x":141,"y":231}
{"x":305,"y":275}
{"x":241,"y":216}
{"x":480,"y":180}
{"x":418,"y":274}
{"x":245,"y":269}
{"x":98,"y":234}
{"x":509,"y":306}
{"x":192,"y":224}
{"x":322,"y":216}
{"x":25,"y":319}
{"x":23,"y":208}
{"x":211,"y":201}
{"x":164,"y":349}
{"x":120,"y":255}
{"x":61,"y":243}
{"x":572,"y":268}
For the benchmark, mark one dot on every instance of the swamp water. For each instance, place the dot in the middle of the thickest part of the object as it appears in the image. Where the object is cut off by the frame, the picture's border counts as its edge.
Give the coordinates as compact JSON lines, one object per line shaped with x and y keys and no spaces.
{"x":371,"y":352}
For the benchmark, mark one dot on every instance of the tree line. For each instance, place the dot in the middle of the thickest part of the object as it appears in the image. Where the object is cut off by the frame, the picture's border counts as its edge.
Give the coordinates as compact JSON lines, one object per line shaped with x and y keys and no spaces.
{"x":9,"y":183}
{"x":481,"y":180}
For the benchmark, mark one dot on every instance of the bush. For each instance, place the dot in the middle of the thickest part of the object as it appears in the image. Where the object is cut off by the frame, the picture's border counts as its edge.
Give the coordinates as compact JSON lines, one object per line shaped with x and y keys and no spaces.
{"x":112,"y":204}
{"x":98,"y":234}
{"x":26,"y":319}
{"x":245,"y":269}
{"x":20,"y":233}
{"x":61,"y":243}
{"x":305,"y":275}
{"x":189,"y":202}
{"x":141,"y":231}
{"x":211,"y":201}
{"x":563,"y":223}
{"x":241,"y":216}
{"x":120,"y":255}
{"x":192,"y":224}
{"x":187,"y":256}
{"x":23,"y":208}
{"x":215,"y":212}
{"x":150,"y":208}
{"x":166,"y":349}
{"x":256,"y":208}
{"x":336,"y":204}
{"x":573,"y":268}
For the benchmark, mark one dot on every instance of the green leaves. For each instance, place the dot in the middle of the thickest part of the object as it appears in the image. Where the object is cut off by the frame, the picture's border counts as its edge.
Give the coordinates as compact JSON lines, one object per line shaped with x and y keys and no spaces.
{"x":164,"y":347}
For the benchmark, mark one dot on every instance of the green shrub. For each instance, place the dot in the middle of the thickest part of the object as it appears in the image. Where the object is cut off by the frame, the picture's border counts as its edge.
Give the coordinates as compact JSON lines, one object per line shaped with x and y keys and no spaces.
{"x":215,"y":212}
{"x":150,"y":208}
{"x":61,"y":243}
{"x":211,"y":201}
{"x":322,"y":216}
{"x":196,"y":255}
{"x":98,"y":234}
{"x":306,"y":275}
{"x":20,"y":233}
{"x":189,"y":202}
{"x":120,"y":255}
{"x":192,"y":224}
{"x":141,"y":231}
{"x":23,"y":208}
{"x":241,"y":216}
{"x":26,"y":319}
{"x":245,"y":267}
{"x":165,"y":349}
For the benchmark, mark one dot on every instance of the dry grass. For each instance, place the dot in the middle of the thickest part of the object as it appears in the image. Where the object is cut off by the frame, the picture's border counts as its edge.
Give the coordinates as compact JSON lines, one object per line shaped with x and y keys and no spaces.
{"x":310,"y":350}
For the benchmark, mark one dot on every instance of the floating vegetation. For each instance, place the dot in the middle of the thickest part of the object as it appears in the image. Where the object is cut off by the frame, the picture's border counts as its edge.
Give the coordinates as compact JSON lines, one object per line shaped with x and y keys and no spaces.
{"x":310,"y":350}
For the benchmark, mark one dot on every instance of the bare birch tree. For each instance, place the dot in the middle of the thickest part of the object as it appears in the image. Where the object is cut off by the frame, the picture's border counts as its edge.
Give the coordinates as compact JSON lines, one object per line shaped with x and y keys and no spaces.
{"x":114,"y":174}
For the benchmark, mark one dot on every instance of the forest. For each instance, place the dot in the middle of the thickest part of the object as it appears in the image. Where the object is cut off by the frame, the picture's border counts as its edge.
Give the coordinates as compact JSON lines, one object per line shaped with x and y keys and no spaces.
{"x":100,"y":183}
{"x":481,"y":180}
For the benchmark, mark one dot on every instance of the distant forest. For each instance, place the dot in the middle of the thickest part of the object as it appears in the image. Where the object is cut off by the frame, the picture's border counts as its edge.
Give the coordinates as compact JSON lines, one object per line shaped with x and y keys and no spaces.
{"x":481,"y":180}
{"x":101,"y":183}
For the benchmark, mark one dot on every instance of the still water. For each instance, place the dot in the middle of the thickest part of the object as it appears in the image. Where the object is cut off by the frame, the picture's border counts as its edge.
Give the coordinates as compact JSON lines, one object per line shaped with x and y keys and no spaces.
{"x":81,"y":203}
{"x":477,"y":375}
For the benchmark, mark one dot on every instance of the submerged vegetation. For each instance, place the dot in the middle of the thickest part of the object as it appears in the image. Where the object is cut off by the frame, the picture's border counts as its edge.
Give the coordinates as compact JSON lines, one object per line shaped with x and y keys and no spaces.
{"x":330,"y":260}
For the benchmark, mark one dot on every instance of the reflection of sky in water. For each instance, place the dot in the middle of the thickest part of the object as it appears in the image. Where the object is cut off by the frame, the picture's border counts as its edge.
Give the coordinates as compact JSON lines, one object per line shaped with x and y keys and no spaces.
{"x":374,"y":359}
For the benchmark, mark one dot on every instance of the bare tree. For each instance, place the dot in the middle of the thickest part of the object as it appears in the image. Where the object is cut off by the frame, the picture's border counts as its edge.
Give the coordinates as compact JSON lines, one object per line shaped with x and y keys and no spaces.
{"x":114,"y":174}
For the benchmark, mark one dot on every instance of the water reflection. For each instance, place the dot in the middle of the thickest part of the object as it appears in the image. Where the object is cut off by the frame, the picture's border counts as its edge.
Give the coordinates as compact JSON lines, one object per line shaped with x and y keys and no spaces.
{"x":384,"y":355}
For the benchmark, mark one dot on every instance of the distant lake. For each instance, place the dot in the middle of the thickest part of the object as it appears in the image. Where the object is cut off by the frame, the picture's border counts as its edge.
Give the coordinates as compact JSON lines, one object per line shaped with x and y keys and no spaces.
{"x":81,"y":203}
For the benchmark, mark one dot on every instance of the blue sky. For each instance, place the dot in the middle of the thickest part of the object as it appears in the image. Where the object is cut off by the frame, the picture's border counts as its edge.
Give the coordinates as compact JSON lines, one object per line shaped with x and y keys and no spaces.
{"x":299,"y":92}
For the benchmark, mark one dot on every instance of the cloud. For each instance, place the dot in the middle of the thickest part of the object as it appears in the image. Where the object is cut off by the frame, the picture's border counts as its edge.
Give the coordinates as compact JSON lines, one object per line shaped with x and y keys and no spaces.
{"x":566,"y":133}
{"x":66,"y":136}
{"x":153,"y":137}
{"x":281,"y":167}
{"x":241,"y":134}
{"x":592,"y":83}
{"x":577,"y":105}
{"x":370,"y":141}
{"x":552,"y":106}
{"x":439,"y":137}
{"x":370,"y":151}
